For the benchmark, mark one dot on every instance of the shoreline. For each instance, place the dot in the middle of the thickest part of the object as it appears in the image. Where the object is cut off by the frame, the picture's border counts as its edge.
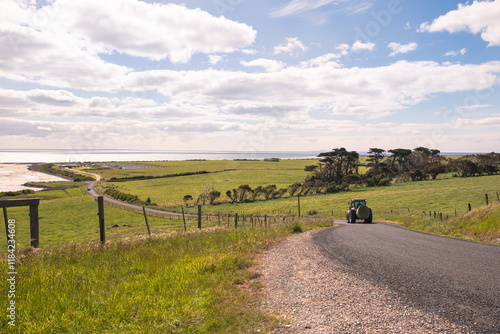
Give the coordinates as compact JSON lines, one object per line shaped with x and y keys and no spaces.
{"x":14,"y":176}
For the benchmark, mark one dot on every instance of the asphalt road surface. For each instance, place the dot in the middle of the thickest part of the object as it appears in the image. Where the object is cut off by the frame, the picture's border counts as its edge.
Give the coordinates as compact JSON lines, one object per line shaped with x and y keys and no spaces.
{"x":456,"y":279}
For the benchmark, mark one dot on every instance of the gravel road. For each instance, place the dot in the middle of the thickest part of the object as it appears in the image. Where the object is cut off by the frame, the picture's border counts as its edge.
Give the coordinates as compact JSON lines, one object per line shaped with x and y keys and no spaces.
{"x":324,"y":289}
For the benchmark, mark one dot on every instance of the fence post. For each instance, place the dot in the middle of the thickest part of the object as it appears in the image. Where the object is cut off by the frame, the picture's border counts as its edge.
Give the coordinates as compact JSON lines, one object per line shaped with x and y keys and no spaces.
{"x":184,"y":219}
{"x":486,"y":196}
{"x":199,"y":216}
{"x":265,"y":221}
{"x":498,"y":198}
{"x":6,"y":224}
{"x":235,"y":220}
{"x":34,"y":230}
{"x":218,"y":216}
{"x":102,"y":230}
{"x":298,"y":203}
{"x":146,"y":218}
{"x":470,"y":209}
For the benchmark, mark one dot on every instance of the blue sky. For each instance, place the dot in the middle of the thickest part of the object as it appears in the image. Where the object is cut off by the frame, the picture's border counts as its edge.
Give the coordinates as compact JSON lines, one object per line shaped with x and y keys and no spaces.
{"x":244,"y":75}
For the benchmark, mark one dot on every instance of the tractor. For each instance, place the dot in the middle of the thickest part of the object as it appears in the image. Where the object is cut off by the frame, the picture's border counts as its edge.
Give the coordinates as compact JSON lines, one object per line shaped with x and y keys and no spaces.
{"x":359,"y":211}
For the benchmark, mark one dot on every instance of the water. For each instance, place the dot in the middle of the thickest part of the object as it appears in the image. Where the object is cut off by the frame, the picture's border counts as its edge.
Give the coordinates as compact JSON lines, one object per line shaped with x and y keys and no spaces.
{"x":13,"y":176}
{"x":39,"y":156}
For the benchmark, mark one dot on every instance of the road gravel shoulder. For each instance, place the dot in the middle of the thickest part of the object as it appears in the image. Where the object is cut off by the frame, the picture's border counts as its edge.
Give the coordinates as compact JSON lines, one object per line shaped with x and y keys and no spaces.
{"x":314,"y":293}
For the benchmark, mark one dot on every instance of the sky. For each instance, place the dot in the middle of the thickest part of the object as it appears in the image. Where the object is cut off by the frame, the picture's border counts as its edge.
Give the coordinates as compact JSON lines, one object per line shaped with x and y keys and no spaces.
{"x":241,"y":75}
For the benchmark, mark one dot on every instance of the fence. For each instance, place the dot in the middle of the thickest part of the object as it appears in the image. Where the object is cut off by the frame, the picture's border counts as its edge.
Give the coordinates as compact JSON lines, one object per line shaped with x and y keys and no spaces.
{"x":445,"y":216}
{"x":229,"y":220}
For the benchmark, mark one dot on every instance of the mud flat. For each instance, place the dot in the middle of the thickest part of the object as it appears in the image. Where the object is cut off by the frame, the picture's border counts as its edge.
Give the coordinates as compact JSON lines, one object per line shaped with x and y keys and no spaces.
{"x":13,"y":176}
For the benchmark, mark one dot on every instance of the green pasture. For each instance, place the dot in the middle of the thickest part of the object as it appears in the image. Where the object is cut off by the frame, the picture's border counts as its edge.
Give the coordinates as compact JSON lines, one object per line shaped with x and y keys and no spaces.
{"x":175,"y":167}
{"x":70,"y":216}
{"x":169,"y":192}
{"x":443,"y":195}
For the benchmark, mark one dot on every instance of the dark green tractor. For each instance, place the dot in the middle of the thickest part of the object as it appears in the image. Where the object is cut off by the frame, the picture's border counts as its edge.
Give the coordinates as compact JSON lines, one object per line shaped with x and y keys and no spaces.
{"x":359,"y":211}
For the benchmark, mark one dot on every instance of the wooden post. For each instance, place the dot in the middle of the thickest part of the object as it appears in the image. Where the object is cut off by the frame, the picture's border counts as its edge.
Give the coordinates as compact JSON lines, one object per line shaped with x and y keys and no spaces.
{"x":102,"y":230}
{"x":199,"y":216}
{"x":235,"y":220}
{"x":218,"y":216}
{"x":486,"y":196}
{"x":455,"y":212}
{"x":498,"y":198}
{"x":265,"y":220}
{"x":146,"y":218}
{"x":470,"y":209}
{"x":6,"y":224}
{"x":184,"y":219}
{"x":34,"y":231}
{"x":298,"y":203}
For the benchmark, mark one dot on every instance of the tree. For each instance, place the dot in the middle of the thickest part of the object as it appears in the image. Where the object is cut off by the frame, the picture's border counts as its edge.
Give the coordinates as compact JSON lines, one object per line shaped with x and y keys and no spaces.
{"x":187,"y":198}
{"x":269,"y":190}
{"x":293,"y":188}
{"x":334,"y":165}
{"x":257,"y":192}
{"x":233,"y":195}
{"x":399,"y":156}
{"x":243,"y":191}
{"x":375,"y":156}
{"x":212,"y":196}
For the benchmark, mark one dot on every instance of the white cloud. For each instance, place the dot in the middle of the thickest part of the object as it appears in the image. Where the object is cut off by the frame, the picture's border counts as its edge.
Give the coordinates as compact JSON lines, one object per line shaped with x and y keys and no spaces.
{"x":479,"y":17}
{"x":214,"y":59}
{"x":360,"y":46}
{"x":291,"y":46}
{"x":269,"y":64}
{"x":454,"y":53}
{"x":152,"y":30}
{"x":300,"y":6}
{"x":57,"y":45}
{"x":374,"y":92}
{"x":249,"y":51}
{"x":401,"y":48}
{"x":324,"y":59}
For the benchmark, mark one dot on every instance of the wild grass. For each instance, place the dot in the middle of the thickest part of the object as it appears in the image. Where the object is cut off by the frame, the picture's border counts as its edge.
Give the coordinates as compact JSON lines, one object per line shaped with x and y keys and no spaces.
{"x":183,"y":283}
{"x":481,"y":224}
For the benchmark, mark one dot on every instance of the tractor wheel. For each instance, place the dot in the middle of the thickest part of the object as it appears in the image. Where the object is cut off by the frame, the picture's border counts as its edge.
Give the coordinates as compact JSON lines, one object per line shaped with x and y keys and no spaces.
{"x":353,"y":217}
{"x":369,"y":219}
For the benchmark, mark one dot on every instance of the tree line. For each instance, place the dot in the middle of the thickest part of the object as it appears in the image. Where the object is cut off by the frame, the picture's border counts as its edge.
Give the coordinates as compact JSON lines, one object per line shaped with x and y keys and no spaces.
{"x":338,"y":169}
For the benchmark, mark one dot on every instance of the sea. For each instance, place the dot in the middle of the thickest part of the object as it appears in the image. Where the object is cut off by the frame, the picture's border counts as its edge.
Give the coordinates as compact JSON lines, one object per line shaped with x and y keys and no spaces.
{"x":107,"y":155}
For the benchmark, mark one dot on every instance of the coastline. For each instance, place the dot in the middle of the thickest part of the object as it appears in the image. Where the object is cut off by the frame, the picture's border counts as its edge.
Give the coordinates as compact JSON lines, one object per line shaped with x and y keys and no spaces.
{"x":13,"y":176}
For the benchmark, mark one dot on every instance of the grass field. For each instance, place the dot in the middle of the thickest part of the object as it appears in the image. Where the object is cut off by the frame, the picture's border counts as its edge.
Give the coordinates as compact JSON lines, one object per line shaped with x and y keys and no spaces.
{"x":198,"y":282}
{"x":70,"y":216}
{"x":175,"y":167}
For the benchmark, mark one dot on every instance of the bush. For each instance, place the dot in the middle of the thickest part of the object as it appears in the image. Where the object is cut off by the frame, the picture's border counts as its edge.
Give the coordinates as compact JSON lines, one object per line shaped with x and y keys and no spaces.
{"x":296,"y":228}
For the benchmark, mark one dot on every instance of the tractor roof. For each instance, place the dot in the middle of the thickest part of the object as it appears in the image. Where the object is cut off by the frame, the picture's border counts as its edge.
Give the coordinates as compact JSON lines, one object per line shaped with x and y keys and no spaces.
{"x":359,"y":199}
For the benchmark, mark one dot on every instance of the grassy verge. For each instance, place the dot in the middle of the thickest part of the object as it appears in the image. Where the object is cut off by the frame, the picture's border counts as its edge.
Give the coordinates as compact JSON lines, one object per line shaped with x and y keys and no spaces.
{"x":184,"y":283}
{"x":481,"y":224}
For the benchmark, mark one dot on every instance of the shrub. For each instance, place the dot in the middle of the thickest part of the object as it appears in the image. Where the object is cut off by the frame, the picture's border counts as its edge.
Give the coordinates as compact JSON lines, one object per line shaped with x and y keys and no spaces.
{"x":296,"y":228}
